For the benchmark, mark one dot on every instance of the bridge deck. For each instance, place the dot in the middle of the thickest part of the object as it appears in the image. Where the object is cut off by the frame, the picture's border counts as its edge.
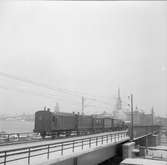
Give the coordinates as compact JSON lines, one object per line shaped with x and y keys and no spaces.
{"x":41,"y":151}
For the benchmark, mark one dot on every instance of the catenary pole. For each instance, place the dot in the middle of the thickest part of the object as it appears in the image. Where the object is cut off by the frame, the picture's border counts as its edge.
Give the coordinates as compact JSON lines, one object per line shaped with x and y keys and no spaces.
{"x":131,"y":106}
{"x":83,"y":105}
{"x":152,"y":119}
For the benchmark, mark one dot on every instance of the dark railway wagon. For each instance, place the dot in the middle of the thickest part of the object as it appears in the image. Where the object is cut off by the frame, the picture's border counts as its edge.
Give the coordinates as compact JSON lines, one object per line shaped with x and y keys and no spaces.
{"x":108,"y":123}
{"x":84,"y":122}
{"x":64,"y":121}
{"x":98,"y":123}
{"x":50,"y":123}
{"x":43,"y":122}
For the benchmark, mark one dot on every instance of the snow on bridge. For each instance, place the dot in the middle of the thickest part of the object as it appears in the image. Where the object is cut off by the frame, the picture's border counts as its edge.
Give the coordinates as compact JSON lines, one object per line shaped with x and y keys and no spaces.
{"x":38,"y":152}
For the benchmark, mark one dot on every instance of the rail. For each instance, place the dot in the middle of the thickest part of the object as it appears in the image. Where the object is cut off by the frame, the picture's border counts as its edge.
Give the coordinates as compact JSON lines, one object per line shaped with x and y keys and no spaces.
{"x":46,"y":149}
{"x":6,"y":137}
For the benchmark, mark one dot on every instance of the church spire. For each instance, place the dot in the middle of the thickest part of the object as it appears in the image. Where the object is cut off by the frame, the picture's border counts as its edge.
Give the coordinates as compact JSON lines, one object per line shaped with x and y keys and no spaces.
{"x":119,"y":101}
{"x":119,"y":93}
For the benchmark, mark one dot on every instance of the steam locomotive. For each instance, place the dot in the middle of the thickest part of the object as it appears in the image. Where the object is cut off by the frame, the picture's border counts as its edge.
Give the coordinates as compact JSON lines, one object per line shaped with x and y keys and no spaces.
{"x":59,"y":123}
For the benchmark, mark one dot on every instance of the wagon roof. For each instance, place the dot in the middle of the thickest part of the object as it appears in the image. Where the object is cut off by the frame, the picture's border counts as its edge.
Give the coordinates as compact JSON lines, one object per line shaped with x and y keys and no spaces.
{"x":63,"y":114}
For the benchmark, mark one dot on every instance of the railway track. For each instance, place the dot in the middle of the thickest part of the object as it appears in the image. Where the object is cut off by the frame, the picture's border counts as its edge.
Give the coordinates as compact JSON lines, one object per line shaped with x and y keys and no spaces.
{"x":34,"y":139}
{"x":30,"y":140}
{"x":18,"y":138}
{"x":18,"y":142}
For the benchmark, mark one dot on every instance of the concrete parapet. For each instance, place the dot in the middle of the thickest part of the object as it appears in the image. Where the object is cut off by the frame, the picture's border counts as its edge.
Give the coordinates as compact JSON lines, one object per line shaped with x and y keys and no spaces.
{"x":90,"y":158}
{"x":93,"y":156}
{"x":154,"y":140}
{"x":128,"y":149}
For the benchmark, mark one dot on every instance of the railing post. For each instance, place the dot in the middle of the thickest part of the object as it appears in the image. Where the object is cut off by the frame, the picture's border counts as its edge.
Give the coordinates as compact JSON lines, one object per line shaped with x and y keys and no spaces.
{"x":48,"y":153}
{"x":96,"y":140}
{"x":62,"y":149}
{"x":89,"y":142}
{"x":102,"y":140}
{"x":82,"y":144}
{"x":18,"y":136}
{"x":5,"y":158}
{"x":29,"y":155}
{"x":73,"y":146}
{"x":107,"y":138}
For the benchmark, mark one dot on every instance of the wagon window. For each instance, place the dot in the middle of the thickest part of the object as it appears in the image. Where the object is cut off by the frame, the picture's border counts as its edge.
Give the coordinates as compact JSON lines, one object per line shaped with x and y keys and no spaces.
{"x":54,"y":119}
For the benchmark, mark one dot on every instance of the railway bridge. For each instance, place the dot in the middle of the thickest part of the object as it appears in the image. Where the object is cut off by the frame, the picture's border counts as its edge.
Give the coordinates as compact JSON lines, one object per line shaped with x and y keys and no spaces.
{"x":90,"y":149}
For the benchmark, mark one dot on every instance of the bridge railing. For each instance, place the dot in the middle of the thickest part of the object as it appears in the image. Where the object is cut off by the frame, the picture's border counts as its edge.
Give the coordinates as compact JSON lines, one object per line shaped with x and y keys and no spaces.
{"x":46,"y":149}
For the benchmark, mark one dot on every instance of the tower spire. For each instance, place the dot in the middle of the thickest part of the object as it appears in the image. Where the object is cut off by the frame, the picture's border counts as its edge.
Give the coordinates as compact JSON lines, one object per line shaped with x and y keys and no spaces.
{"x":119,"y":93}
{"x":119,"y":102}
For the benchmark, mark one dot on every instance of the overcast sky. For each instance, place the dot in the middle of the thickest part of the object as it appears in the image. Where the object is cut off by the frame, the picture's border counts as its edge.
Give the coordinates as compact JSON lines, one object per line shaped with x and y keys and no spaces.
{"x":90,"y":47}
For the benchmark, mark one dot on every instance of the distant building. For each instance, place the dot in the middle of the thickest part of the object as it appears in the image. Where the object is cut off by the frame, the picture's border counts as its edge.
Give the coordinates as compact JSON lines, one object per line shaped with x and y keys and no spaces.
{"x":140,"y":118}
{"x":161,"y":121}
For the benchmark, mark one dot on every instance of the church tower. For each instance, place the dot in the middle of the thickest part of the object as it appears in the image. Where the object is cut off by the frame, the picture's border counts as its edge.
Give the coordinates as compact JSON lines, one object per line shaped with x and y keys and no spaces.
{"x":119,"y":101}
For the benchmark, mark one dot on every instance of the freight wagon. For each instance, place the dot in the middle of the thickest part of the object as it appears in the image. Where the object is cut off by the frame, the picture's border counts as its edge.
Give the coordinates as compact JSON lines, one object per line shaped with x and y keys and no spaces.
{"x":67,"y":124}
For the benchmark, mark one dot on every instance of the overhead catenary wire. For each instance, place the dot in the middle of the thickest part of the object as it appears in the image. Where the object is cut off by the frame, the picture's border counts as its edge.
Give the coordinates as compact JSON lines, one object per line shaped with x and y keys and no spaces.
{"x":38,"y":84}
{"x":51,"y":96}
{"x":60,"y":90}
{"x":17,"y":78}
{"x":54,"y":96}
{"x":48,"y":96}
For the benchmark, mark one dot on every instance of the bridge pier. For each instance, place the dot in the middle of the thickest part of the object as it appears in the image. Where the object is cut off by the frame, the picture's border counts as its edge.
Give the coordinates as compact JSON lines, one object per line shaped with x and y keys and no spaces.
{"x":128,"y":150}
{"x":150,"y":140}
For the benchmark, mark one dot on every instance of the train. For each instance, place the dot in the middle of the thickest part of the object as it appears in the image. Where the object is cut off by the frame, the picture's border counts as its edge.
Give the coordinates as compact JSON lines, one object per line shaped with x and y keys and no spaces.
{"x":58,"y":124}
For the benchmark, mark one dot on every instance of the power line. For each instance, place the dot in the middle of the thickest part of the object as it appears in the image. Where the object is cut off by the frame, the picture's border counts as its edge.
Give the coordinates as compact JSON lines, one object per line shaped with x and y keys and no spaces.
{"x":35,"y":83}
{"x":48,"y":96}
{"x":60,"y":90}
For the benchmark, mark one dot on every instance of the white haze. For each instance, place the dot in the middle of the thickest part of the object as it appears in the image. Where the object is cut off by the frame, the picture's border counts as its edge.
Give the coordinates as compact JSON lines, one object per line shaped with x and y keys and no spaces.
{"x":90,"y":47}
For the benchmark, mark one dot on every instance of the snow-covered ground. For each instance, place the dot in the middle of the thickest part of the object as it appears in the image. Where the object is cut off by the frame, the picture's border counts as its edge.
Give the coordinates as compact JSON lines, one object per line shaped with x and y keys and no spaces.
{"x":159,"y":152}
{"x":139,"y":161}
